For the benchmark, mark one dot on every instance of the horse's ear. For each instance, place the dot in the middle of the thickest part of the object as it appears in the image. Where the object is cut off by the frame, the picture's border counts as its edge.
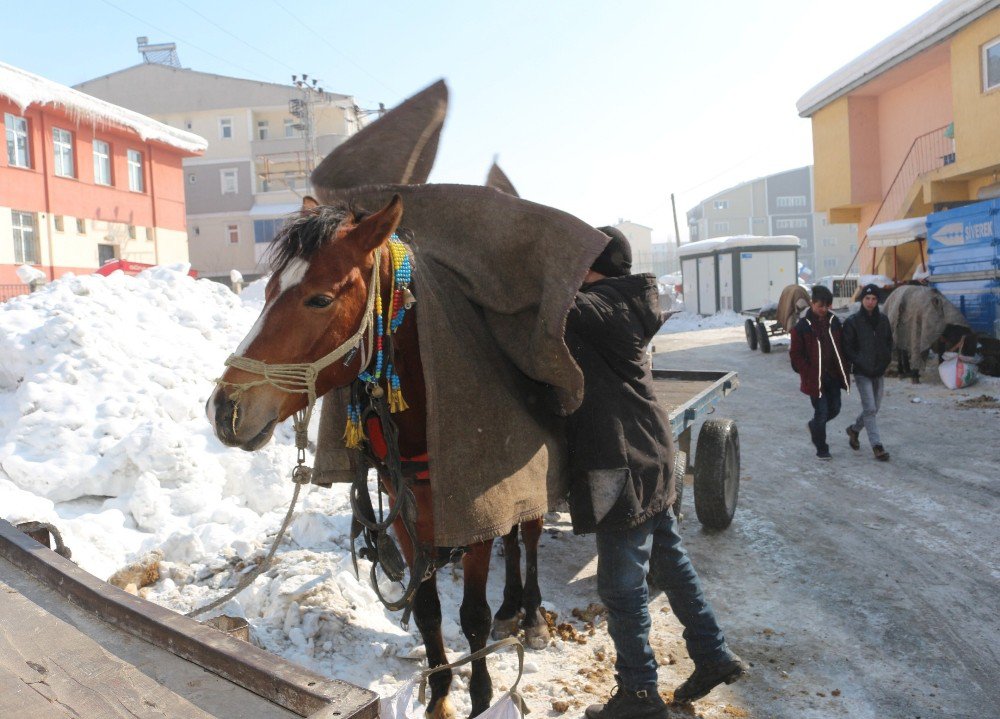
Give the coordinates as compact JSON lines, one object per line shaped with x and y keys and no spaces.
{"x":376,"y":229}
{"x":309,"y":203}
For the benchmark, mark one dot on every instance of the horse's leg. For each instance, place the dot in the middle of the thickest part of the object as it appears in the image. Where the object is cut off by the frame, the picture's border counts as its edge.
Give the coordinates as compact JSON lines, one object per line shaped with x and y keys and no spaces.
{"x":536,"y":629}
{"x":475,"y":615}
{"x":507,"y":616}
{"x":427,"y":614}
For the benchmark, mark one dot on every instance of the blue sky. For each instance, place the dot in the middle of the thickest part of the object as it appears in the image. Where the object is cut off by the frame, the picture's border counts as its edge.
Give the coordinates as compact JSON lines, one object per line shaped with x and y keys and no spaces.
{"x":599,"y":109}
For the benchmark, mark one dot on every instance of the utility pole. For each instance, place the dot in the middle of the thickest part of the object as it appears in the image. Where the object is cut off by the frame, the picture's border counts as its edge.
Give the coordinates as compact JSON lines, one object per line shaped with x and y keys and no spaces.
{"x":677,"y":232}
{"x":302,"y":109}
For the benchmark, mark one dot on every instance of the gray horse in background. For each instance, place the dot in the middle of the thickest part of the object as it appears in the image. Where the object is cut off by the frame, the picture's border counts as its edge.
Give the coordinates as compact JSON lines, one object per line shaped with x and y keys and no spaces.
{"x":919,"y":317}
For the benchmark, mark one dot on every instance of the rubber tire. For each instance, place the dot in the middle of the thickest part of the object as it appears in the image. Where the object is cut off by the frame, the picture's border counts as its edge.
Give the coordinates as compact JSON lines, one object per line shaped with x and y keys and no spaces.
{"x":717,"y":473}
{"x":763,"y":339}
{"x":751,"y":332}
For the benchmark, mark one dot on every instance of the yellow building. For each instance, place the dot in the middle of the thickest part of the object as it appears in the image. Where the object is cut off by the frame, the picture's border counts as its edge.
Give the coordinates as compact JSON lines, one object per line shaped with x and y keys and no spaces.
{"x":910,"y":127}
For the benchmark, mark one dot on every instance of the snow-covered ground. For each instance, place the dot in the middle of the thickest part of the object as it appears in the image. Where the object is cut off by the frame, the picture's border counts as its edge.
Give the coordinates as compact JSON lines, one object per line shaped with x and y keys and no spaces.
{"x":102,"y":432}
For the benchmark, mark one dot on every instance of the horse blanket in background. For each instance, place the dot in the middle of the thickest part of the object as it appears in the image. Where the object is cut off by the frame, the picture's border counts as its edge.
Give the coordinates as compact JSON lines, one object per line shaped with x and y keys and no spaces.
{"x":793,"y":301}
{"x":918,"y":316}
{"x":494,"y":278}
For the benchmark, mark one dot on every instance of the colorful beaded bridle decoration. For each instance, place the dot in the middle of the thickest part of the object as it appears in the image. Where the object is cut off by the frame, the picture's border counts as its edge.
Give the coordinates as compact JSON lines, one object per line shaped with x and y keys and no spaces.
{"x":401,"y":299}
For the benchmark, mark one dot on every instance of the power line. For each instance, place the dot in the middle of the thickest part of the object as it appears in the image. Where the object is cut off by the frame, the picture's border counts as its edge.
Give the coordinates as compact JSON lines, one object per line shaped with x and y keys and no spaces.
{"x":234,"y":36}
{"x":252,"y":73}
{"x":332,"y":46}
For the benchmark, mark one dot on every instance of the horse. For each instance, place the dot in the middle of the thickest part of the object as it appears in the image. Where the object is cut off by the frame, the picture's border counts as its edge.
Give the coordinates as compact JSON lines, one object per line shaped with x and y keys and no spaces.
{"x":919,"y":317}
{"x":317,"y":303}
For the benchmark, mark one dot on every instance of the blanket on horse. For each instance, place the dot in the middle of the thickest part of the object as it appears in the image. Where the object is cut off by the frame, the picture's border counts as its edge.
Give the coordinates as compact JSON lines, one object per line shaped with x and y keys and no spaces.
{"x":918,"y":316}
{"x":494,"y":278}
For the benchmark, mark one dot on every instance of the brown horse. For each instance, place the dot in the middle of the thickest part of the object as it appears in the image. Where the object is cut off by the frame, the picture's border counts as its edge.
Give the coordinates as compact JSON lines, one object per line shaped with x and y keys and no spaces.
{"x":316,"y":302}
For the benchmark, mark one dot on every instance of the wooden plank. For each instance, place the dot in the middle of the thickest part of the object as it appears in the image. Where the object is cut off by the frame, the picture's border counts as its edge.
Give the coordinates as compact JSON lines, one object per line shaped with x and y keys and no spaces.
{"x":279,"y":681}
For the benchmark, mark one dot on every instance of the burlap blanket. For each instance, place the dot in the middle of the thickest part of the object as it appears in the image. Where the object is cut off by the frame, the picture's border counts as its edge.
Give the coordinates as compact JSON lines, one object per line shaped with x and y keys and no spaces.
{"x":494,"y":277}
{"x":792,"y":301}
{"x":918,"y":316}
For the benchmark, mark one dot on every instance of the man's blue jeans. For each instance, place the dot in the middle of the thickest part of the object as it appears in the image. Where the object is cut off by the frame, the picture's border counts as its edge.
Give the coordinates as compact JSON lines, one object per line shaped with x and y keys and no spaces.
{"x":870,"y":391}
{"x":825,"y":408}
{"x":623,"y":560}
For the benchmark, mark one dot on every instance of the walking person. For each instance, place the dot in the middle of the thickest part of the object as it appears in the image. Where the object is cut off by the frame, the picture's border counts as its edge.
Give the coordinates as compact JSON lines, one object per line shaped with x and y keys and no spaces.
{"x":621,"y":488}
{"x":817,"y":356}
{"x":868,"y":347}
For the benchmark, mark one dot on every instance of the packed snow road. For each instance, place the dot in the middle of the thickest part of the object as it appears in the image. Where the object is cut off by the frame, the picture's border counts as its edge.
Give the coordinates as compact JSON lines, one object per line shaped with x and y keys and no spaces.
{"x":856,"y":588}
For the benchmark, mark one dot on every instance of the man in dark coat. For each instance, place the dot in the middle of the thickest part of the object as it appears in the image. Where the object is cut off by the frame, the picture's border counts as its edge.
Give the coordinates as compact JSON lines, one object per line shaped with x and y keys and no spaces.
{"x":868,"y":347}
{"x":817,"y":357}
{"x":622,"y":487}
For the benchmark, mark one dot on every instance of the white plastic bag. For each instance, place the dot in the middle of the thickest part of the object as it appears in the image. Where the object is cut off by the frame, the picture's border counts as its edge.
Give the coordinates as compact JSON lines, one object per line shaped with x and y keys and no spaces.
{"x":958,"y":371}
{"x":509,"y":706}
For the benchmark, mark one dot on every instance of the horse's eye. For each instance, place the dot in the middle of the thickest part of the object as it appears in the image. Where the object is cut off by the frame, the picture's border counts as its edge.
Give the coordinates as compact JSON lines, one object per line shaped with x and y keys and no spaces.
{"x":319,"y":301}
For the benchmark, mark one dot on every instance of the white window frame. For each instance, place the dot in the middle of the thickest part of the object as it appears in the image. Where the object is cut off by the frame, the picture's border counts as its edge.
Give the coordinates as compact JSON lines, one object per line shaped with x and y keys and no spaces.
{"x":227,"y":174}
{"x":263,"y":130}
{"x":290,"y":127}
{"x":62,"y":151}
{"x":791,"y":223}
{"x":225,"y":124}
{"x":18,"y":141}
{"x":721,"y":226}
{"x":102,"y":161}
{"x":721,"y":204}
{"x":829,"y":262}
{"x":790,"y":201}
{"x":18,"y":222}
{"x":829,"y":242}
{"x":135,"y":179}
{"x":991,"y":45}
{"x":233,"y":233}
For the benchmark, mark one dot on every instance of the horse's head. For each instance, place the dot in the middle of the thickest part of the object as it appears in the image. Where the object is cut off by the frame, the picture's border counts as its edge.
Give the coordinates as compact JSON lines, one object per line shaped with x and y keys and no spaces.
{"x":315,"y":301}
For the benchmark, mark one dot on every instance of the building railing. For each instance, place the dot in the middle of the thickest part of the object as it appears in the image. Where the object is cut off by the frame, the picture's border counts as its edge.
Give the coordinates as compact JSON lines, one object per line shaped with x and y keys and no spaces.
{"x":9,"y":291}
{"x":928,"y":152}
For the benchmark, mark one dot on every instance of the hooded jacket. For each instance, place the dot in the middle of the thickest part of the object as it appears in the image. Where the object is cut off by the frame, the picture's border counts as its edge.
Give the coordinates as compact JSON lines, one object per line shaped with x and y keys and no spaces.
{"x":867,"y":341}
{"x":620,"y":445}
{"x":807,"y":354}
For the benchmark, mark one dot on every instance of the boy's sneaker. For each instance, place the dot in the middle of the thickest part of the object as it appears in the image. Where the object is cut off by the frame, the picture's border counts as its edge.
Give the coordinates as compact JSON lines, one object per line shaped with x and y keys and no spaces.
{"x":823,"y":454}
{"x":707,"y":677}
{"x":852,"y":438}
{"x":880,"y":454}
{"x":625,"y":704}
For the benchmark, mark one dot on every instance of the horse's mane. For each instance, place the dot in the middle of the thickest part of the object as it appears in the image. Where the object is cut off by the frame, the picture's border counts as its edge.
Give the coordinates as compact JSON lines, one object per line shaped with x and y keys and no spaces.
{"x":303,"y":235}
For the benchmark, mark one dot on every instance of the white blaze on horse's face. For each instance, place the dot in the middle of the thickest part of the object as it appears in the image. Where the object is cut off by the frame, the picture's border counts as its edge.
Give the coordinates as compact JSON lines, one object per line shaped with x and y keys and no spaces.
{"x":291,"y":276}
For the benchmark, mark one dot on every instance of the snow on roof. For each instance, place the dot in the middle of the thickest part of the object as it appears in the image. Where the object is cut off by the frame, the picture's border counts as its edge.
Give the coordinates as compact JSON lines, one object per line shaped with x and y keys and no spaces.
{"x":938,"y":23}
{"x":897,"y":232}
{"x":25,"y":89}
{"x":718,"y":244}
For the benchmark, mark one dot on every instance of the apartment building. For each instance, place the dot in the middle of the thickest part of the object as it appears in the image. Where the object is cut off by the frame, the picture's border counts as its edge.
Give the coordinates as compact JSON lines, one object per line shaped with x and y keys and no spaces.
{"x":263,"y":141}
{"x":778,"y":204}
{"x":910,"y":127}
{"x":84,"y":182}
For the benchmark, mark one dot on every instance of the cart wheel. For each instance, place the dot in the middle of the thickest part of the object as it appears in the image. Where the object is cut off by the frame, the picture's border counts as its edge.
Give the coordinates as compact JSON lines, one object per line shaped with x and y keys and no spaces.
{"x":763,"y":339}
{"x":717,"y":473}
{"x":680,"y":468}
{"x":751,"y":331}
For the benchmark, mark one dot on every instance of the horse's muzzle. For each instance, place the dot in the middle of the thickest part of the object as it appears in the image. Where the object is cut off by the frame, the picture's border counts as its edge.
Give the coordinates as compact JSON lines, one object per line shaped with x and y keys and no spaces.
{"x":231,"y":428}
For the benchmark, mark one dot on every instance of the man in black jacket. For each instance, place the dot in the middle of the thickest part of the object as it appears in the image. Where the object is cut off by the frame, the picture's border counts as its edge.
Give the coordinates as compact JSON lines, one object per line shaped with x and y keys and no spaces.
{"x":867,"y":340}
{"x":621,"y":487}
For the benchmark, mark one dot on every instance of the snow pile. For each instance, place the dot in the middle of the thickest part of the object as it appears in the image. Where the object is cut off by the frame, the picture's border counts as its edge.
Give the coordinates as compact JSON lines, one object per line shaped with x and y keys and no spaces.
{"x":690,"y":321}
{"x":25,"y":88}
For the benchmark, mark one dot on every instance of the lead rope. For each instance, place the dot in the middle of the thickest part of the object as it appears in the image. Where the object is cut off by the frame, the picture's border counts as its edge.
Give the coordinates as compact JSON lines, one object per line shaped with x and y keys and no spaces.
{"x":290,"y":378}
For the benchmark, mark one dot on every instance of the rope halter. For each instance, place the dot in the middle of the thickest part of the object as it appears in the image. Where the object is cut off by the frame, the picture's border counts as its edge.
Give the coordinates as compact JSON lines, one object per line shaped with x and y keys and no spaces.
{"x":300,"y":378}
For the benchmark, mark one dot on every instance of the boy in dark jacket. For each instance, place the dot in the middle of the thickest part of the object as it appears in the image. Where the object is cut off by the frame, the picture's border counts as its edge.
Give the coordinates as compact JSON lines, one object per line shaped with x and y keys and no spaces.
{"x":622,"y":487}
{"x":817,"y":357}
{"x":868,"y":347}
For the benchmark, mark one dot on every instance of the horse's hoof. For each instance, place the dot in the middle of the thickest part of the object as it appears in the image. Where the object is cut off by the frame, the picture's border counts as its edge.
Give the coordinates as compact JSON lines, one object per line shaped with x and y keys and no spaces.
{"x":442,"y":710}
{"x":537,"y":637}
{"x":503,"y":628}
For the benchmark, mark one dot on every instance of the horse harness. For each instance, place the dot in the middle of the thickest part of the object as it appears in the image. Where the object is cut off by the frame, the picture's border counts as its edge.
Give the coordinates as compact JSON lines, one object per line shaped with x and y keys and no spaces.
{"x":369,"y":408}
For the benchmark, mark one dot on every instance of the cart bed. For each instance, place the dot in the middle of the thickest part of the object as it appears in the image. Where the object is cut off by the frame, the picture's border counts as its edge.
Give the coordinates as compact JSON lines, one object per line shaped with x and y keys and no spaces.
{"x":688,"y":394}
